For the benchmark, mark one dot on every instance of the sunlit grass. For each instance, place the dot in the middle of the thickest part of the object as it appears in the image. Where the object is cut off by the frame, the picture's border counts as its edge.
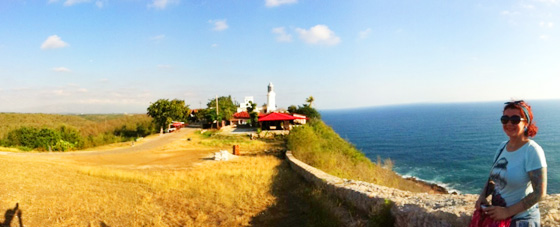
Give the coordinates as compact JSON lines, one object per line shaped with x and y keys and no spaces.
{"x":10,"y":149}
{"x":246,"y":145}
{"x":61,"y":192}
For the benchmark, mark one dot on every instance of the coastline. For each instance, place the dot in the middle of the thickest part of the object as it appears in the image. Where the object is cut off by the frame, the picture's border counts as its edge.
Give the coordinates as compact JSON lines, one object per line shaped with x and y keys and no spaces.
{"x":435,"y":187}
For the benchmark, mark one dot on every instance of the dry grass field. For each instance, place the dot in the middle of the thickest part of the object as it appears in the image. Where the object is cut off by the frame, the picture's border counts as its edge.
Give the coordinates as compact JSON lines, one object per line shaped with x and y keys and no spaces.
{"x":168,"y":181}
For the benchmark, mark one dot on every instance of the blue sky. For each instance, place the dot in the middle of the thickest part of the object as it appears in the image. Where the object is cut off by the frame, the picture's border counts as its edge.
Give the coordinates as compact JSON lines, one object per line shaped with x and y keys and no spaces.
{"x":105,"y":56}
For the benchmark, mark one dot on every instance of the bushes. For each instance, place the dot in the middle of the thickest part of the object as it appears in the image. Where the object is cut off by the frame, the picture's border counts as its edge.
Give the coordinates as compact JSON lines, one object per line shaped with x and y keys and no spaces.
{"x":94,"y":130}
{"x":61,"y":139}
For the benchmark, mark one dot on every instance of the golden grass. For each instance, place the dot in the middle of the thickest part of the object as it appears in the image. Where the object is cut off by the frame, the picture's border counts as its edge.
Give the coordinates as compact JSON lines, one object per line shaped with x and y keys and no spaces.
{"x":63,"y":192}
{"x":121,"y":144}
{"x":216,"y":193}
{"x":10,"y":149}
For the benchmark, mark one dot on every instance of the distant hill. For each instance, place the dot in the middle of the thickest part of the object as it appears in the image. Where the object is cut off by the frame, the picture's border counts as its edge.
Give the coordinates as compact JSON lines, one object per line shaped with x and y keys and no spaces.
{"x":94,"y":128}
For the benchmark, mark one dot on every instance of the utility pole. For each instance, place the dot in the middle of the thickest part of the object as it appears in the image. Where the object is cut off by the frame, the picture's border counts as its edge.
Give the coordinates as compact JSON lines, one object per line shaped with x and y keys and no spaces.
{"x":217,"y":114}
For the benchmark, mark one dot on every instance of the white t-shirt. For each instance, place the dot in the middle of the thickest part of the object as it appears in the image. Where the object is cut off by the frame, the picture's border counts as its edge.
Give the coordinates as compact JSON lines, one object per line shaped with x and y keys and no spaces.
{"x":510,"y":174}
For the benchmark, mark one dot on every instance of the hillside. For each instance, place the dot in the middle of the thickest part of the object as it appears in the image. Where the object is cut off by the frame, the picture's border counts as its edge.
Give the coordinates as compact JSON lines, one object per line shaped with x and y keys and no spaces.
{"x":94,"y":130}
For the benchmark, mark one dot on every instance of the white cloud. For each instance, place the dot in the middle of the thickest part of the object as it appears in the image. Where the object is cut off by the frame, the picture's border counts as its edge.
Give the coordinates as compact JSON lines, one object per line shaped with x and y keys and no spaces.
{"x":275,"y":3}
{"x":61,"y":69}
{"x":548,"y":1}
{"x":282,"y":35}
{"x":59,"y":92}
{"x":364,"y":34}
{"x":82,"y":90}
{"x":98,"y":3}
{"x":214,"y":45}
{"x":546,"y":24}
{"x":509,"y":13}
{"x":104,"y":80}
{"x":53,"y":42}
{"x":162,"y":4}
{"x":319,"y":34}
{"x":120,"y":101}
{"x":73,"y":2}
{"x":157,"y":38}
{"x":544,"y":37}
{"x":527,"y":6}
{"x":219,"y":25}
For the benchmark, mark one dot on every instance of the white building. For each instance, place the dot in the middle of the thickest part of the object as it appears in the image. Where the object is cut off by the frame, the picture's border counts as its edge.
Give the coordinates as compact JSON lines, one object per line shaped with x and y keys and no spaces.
{"x":246,"y":104}
{"x":271,"y":99}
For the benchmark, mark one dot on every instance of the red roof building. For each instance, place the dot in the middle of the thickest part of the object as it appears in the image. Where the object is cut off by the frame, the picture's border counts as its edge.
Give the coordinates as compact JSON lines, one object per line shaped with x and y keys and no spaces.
{"x":279,"y":121}
{"x":277,"y":117}
{"x":241,"y":115}
{"x":241,"y":118}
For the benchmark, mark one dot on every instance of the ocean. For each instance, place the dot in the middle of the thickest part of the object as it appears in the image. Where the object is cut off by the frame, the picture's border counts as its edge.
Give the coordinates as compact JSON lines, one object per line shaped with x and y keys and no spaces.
{"x":448,"y":144}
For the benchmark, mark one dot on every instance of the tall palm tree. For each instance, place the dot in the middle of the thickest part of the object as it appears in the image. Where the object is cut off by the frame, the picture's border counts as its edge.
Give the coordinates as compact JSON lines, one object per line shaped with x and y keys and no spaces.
{"x":310,"y":101}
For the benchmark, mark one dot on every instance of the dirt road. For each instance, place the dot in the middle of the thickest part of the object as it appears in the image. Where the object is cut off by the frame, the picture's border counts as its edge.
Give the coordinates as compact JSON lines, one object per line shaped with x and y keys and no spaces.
{"x":169,"y":151}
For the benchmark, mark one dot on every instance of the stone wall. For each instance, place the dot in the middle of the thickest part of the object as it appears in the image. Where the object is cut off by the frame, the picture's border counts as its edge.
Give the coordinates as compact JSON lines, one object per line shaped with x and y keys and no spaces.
{"x":409,"y":208}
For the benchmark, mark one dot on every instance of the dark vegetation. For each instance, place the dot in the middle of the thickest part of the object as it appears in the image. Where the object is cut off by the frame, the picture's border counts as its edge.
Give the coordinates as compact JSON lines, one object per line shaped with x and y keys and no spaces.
{"x":70,"y":132}
{"x":226,"y":109}
{"x":164,"y":111}
{"x":306,"y":110}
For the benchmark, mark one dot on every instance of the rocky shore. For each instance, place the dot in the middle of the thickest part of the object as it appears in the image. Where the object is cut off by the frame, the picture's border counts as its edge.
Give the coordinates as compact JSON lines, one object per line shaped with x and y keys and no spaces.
{"x":435,"y":188}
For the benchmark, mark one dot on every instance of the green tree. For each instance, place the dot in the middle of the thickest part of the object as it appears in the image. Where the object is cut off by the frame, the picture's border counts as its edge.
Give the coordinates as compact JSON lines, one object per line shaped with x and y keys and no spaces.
{"x":292,"y":108}
{"x":308,"y":111}
{"x":164,"y":111}
{"x":226,"y":109}
{"x":253,"y":115}
{"x":310,"y":101}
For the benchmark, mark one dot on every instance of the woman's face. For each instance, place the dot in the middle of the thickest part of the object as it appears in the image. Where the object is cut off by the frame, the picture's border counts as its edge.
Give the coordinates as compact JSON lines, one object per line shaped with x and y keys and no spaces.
{"x":512,"y":130}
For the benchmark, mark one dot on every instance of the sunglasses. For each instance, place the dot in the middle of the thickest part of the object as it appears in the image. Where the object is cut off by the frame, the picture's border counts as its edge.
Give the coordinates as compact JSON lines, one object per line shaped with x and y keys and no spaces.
{"x":514,"y":119}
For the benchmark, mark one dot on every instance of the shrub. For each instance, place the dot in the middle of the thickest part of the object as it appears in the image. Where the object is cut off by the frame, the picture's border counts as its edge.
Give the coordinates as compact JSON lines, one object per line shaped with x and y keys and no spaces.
{"x":70,"y":132}
{"x":63,"y":139}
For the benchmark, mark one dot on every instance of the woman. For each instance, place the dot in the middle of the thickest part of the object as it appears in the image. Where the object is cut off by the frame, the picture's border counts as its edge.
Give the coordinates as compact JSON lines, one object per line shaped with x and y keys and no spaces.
{"x":518,"y":177}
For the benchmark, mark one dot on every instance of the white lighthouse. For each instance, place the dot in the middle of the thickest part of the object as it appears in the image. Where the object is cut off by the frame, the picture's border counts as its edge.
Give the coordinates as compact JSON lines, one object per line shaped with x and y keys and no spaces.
{"x":271,"y":99}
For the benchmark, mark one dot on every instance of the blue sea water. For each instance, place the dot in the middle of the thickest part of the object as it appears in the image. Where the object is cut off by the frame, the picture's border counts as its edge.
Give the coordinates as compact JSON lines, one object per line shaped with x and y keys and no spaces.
{"x":449,"y":144}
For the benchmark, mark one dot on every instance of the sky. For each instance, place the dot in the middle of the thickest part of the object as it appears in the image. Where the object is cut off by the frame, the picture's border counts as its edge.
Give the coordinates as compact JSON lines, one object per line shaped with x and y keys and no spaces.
{"x":115,"y":56}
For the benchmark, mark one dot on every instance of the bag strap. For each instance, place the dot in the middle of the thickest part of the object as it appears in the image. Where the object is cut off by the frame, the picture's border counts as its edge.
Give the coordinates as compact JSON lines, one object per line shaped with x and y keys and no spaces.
{"x":488,"y":182}
{"x":501,"y":150}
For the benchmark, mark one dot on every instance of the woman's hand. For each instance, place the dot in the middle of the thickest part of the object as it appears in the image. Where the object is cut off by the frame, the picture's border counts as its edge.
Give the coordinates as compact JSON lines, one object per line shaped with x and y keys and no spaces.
{"x":481,"y":200}
{"x":497,"y":213}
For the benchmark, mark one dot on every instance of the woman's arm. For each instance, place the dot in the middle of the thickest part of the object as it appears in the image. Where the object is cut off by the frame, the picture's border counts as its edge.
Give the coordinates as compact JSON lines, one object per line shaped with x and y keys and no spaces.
{"x":538,"y":181}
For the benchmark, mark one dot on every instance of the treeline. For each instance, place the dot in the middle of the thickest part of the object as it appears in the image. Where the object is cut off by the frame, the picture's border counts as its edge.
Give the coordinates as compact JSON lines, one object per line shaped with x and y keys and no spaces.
{"x":54,"y":132}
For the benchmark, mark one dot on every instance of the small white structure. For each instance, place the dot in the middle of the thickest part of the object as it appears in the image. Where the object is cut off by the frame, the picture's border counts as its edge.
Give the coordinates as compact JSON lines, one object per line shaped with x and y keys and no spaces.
{"x":246,"y":104}
{"x":271,"y":99}
{"x":223,"y":156}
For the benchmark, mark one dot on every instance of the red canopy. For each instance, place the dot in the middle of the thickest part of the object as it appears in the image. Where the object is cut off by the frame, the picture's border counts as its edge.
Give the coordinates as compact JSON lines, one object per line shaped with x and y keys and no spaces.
{"x":177,"y":124}
{"x":242,"y":115}
{"x":278,"y":117}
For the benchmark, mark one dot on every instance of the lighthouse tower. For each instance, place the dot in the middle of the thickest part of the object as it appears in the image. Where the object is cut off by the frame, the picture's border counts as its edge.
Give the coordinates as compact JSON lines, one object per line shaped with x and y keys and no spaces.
{"x":271,"y":99}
